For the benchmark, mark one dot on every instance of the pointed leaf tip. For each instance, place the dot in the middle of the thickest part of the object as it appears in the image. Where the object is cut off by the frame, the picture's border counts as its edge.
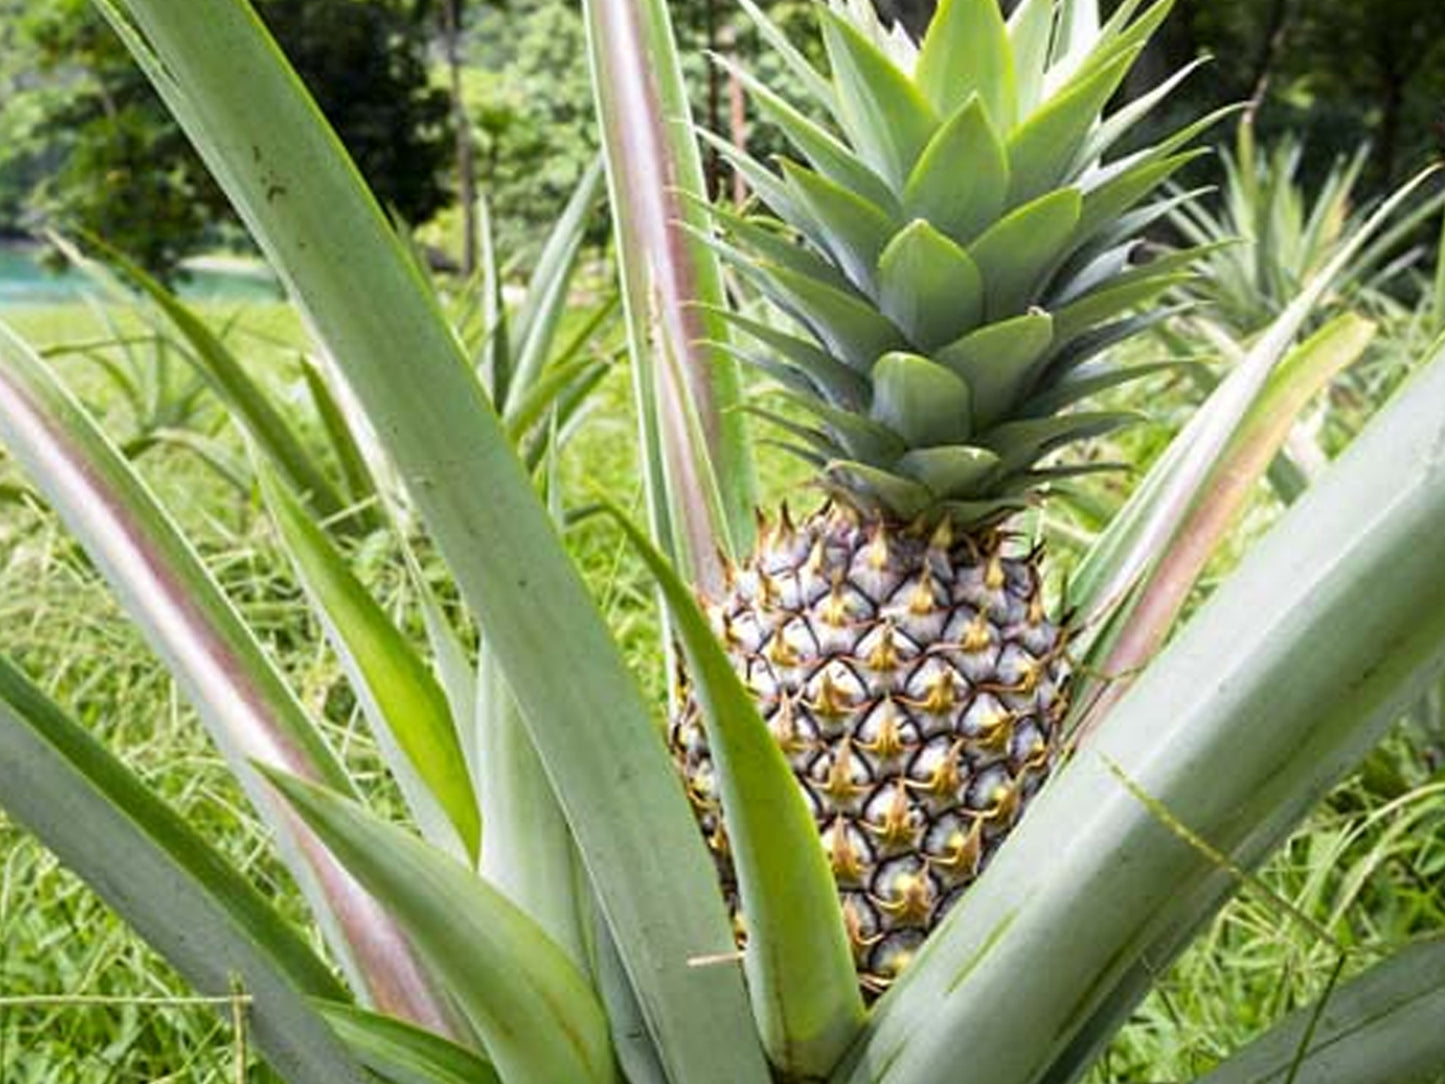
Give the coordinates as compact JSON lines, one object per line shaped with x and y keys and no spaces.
{"x":920,"y":400}
{"x":960,"y":202}
{"x":403,"y":700}
{"x":928,"y":286}
{"x":886,"y":116}
{"x":966,"y":51}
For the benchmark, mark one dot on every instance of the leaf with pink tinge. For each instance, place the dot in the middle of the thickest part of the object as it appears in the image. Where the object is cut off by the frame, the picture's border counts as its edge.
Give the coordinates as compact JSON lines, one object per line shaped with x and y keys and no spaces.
{"x":651,"y":159}
{"x":263,"y":138}
{"x":403,"y":702}
{"x":533,"y":1009}
{"x":1289,"y":674}
{"x":247,"y":707}
{"x":1141,"y":626}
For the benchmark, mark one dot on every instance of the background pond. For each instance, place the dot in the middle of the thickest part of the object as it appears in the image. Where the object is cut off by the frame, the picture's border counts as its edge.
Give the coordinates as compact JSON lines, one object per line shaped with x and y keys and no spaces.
{"x":26,"y":280}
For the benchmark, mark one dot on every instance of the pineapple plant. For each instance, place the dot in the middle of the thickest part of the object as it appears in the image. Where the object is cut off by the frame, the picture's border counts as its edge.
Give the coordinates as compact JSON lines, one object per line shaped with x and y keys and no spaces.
{"x":957,"y":255}
{"x":581,"y":936}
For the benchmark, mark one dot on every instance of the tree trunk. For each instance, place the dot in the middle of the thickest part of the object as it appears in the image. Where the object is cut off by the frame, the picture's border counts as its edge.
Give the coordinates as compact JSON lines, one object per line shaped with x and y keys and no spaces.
{"x":452,"y":17}
{"x":713,"y":167}
{"x":737,"y":115}
{"x":1275,"y":30}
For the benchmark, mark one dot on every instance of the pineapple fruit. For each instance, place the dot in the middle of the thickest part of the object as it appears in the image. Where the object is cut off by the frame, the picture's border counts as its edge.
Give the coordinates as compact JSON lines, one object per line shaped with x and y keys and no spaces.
{"x":957,"y":250}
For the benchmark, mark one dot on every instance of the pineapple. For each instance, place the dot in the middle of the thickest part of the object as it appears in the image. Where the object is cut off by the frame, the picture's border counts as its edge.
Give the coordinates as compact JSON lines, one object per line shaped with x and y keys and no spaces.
{"x":957,"y":254}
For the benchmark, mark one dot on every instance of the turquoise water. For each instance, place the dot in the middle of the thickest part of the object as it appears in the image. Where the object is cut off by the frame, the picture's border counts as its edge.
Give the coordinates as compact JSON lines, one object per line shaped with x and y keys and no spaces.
{"x":24,"y":280}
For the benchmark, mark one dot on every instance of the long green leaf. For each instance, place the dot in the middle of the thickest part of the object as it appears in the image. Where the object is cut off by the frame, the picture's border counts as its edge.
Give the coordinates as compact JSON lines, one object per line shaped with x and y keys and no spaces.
{"x":165,"y":880}
{"x":536,"y":319}
{"x":451,"y":658}
{"x":852,"y":229}
{"x":824,"y":151}
{"x":1030,"y":28}
{"x":1112,"y":302}
{"x":249,"y":711}
{"x":558,"y":380}
{"x":1123,"y":120}
{"x":1076,"y":34}
{"x":1041,"y":150}
{"x":652,"y":157}
{"x":1107,"y":201}
{"x":531,"y":1006}
{"x":851,"y":327}
{"x":999,"y":361}
{"x":1381,"y":1028}
{"x":496,"y":358}
{"x":800,"y":969}
{"x":528,"y":853}
{"x":845,"y":386}
{"x":636,"y":1052}
{"x":402,"y":701}
{"x":1022,"y":443}
{"x":1122,"y":33}
{"x":221,"y":75}
{"x":797,"y":63}
{"x":360,"y":487}
{"x":764,"y":241}
{"x":1289,"y":674}
{"x":887,"y":117}
{"x":1016,"y":252}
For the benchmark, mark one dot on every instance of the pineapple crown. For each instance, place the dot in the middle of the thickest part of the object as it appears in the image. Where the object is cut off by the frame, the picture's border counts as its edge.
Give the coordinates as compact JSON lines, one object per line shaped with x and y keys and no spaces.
{"x":967,"y":253}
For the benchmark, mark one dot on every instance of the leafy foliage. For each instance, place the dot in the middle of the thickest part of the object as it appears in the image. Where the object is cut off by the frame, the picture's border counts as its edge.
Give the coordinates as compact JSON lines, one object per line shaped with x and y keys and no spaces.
{"x":530,"y":100}
{"x":118,"y":167}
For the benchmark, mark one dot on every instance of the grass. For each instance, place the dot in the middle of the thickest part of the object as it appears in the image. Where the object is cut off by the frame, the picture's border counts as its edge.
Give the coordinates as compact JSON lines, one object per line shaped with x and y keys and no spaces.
{"x":56,"y":938}
{"x":1365,"y":874}
{"x":84,"y":1001}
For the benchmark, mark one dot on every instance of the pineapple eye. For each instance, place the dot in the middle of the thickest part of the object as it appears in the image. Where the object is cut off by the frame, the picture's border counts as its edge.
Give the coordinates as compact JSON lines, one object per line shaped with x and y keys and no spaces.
{"x":848,"y":851}
{"x":894,"y":953}
{"x":988,"y":786}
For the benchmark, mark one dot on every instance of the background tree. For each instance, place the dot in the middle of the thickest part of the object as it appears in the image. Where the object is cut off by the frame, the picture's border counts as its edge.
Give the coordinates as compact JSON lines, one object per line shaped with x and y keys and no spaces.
{"x":529,"y":96}
{"x":1338,"y":72}
{"x":78,"y":120}
{"x":100,"y":154}
{"x":1384,"y":64}
{"x":451,"y":17}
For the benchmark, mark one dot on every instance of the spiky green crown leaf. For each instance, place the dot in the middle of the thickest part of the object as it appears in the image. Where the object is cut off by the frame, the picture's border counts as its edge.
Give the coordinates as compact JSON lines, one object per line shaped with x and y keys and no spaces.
{"x":966,"y":252}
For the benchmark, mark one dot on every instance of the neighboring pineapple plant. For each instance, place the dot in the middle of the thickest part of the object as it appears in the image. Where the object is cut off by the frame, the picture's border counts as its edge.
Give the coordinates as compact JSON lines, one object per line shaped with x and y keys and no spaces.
{"x":961,"y":258}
